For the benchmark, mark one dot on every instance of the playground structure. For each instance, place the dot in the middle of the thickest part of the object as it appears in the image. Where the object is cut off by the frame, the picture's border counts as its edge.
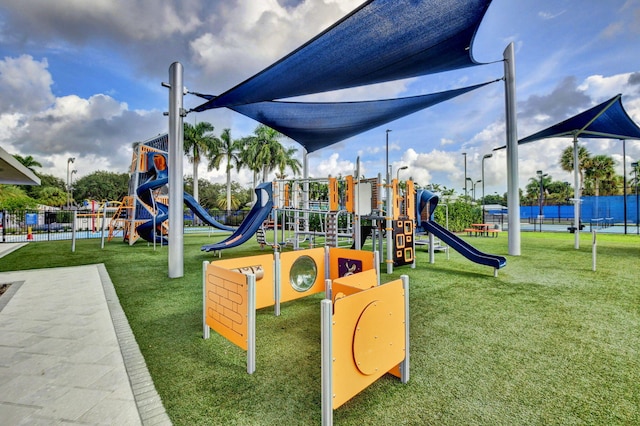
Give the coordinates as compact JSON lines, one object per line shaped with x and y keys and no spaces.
{"x":426,"y":203}
{"x":357,"y":348}
{"x":338,"y":216}
{"x":144,"y":212}
{"x":350,"y":211}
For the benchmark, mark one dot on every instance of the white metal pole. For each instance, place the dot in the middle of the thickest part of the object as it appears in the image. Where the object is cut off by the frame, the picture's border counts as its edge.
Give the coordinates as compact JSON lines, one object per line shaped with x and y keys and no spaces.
{"x":104,"y":217}
{"x":326,"y":349}
{"x":513,"y":195}
{"x":73,"y":231}
{"x":251,"y":323}
{"x":205,"y":327}
{"x":577,"y":192}
{"x":176,"y":189}
{"x":594,"y":250}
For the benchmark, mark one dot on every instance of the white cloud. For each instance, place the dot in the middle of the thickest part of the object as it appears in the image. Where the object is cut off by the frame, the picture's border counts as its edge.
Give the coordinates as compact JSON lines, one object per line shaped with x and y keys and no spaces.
{"x":333,"y":166}
{"x":25,"y":84}
{"x":602,"y":87}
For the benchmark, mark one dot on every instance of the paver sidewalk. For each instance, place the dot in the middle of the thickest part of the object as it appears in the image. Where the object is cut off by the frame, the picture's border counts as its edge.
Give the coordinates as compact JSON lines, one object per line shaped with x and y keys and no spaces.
{"x":67,"y":353}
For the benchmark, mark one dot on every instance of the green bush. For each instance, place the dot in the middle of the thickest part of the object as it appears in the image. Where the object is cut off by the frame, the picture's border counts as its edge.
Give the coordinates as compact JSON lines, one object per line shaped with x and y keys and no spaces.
{"x":461,"y":215}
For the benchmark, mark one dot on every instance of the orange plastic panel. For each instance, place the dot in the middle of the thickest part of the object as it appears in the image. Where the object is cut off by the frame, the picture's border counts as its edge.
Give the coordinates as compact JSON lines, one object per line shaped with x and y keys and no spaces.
{"x":410,"y":200}
{"x":362,"y":280}
{"x":287,"y":292}
{"x":264,"y":286}
{"x":368,"y":328}
{"x":396,"y":199}
{"x":226,"y":304}
{"x":333,"y":194}
{"x":347,"y":258}
{"x":350,"y":195}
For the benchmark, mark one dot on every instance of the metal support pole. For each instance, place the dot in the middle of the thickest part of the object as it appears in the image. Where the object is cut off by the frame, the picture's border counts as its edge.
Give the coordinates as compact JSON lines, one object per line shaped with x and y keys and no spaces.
{"x":251,"y":324}
{"x":513,"y":195}
{"x":624,"y":182}
{"x":104,"y":219}
{"x":389,"y":225}
{"x":326,"y":368}
{"x":176,"y":185}
{"x":205,"y":327}
{"x":577,"y":192}
{"x":404,"y":365}
{"x":74,"y":228}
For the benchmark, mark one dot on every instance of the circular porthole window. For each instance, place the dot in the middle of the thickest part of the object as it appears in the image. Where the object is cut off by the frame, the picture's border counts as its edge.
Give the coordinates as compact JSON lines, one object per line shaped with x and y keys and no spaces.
{"x":303,"y":273}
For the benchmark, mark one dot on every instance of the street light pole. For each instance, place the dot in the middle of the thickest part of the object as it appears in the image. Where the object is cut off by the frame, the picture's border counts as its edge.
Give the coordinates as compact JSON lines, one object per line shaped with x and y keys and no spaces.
{"x":474,"y":188}
{"x":74,"y":171}
{"x":484,"y":158}
{"x":465,"y":174}
{"x":389,"y":213}
{"x":69,"y":161}
{"x":398,"y":172}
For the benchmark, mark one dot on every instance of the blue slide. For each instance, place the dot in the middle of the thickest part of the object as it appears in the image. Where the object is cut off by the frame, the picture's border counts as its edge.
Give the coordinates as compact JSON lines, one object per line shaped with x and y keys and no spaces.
{"x":199,"y":211}
{"x":424,"y":198}
{"x":145,"y":230}
{"x":250,"y":225}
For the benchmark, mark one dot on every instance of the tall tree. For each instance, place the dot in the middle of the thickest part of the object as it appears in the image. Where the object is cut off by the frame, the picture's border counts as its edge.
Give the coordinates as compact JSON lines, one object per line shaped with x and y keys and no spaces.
{"x":285,"y":159}
{"x":566,"y":162}
{"x":600,"y":168}
{"x":198,"y":140}
{"x":102,"y":186}
{"x":533,"y":188}
{"x":635,"y":172}
{"x":269,"y":149}
{"x":228,"y":150}
{"x":29,"y":162}
{"x":250,"y":146}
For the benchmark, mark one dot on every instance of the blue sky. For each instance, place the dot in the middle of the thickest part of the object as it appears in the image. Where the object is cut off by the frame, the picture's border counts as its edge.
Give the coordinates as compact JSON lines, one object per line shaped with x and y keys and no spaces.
{"x":83,"y":79}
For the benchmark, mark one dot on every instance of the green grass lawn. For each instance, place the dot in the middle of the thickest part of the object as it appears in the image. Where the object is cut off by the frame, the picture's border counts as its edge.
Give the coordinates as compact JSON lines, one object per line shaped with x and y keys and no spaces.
{"x":548,"y":341}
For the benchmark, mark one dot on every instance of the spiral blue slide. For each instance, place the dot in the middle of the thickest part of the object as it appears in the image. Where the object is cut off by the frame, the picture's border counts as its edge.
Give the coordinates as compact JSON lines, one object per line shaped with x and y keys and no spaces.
{"x":424,"y":198}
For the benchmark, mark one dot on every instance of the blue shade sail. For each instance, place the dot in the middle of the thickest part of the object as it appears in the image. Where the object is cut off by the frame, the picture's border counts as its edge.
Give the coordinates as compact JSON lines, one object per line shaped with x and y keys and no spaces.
{"x":316,"y":125}
{"x":382,"y":40}
{"x":608,"y":120}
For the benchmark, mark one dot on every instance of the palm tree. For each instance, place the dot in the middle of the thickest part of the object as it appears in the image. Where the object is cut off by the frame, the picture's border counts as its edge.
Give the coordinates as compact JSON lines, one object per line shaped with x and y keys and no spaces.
{"x":197,"y":141}
{"x":533,"y":188}
{"x":635,"y":172}
{"x":228,"y":150}
{"x":250,"y":146}
{"x":29,"y":162}
{"x":566,"y":162}
{"x":598,"y":169}
{"x":268,"y":154}
{"x":285,"y":158}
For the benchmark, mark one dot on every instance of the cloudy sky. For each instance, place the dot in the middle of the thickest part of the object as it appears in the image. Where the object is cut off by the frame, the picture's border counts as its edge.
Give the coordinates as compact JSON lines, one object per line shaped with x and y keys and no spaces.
{"x":83,"y":79}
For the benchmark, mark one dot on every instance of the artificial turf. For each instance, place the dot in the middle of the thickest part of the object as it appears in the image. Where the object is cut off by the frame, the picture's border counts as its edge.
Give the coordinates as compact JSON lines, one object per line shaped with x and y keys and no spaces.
{"x":548,"y":341}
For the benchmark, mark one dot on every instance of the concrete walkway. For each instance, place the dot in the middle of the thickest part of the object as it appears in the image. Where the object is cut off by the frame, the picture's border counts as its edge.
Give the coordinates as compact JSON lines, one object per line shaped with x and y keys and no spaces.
{"x":67,"y":353}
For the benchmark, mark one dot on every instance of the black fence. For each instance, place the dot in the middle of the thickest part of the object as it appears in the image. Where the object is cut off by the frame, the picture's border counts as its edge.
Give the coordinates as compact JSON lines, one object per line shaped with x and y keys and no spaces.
{"x":31,"y":225}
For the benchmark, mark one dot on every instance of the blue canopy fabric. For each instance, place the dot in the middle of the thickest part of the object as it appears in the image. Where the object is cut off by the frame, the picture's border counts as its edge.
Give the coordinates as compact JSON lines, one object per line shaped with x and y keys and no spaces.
{"x":382,"y":40}
{"x":608,"y":120}
{"x":316,"y":125}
